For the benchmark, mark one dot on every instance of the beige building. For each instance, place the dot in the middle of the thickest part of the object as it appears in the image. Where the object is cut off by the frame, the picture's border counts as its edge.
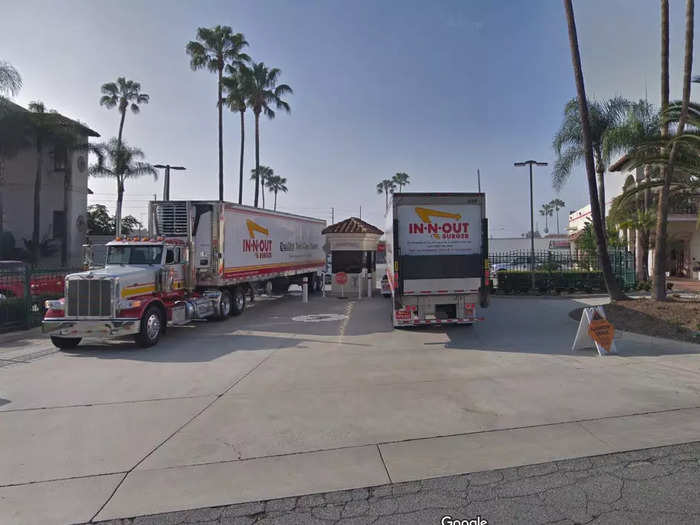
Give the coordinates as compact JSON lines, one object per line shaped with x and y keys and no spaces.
{"x":683,"y":254}
{"x":64,"y":190}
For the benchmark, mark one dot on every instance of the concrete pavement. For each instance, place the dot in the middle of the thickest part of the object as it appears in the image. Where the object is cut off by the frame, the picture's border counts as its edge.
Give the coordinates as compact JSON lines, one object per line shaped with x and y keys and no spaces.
{"x":261,"y":406}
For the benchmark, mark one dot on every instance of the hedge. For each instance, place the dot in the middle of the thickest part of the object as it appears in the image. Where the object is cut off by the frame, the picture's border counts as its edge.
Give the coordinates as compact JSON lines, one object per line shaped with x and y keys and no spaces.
{"x":569,"y":281}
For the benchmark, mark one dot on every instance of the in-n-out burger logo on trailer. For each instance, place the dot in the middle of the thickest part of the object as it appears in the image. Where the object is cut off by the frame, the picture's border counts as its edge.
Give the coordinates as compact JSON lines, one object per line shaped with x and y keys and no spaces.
{"x":262,"y":248}
{"x":454,"y":228}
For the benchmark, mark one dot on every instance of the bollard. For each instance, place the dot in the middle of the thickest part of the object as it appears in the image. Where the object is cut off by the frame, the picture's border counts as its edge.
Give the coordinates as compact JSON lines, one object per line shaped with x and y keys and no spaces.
{"x":359,"y":286}
{"x":305,"y":290}
{"x":369,"y":285}
{"x":323,"y":285}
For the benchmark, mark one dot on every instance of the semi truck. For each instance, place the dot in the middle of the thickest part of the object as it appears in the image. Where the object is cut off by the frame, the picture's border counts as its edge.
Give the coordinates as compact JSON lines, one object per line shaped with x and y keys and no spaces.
{"x":200,"y":260}
{"x":437,"y":258}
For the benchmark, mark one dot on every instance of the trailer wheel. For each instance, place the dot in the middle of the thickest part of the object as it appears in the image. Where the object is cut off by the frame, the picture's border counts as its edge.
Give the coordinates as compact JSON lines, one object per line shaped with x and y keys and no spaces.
{"x":225,"y":306}
{"x":65,"y":343}
{"x":151,"y":327}
{"x":238,"y":303}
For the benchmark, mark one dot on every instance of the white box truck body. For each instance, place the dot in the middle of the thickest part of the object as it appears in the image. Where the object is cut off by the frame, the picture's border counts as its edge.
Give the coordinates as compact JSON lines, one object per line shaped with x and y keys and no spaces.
{"x":437,"y":265}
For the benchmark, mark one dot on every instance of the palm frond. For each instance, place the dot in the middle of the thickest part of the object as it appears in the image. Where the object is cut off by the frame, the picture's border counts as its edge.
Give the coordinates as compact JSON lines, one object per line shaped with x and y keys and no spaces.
{"x":564,"y":164}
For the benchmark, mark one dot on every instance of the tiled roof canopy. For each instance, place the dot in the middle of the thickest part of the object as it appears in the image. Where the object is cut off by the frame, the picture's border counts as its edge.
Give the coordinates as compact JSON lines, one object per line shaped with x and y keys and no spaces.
{"x":352,"y":225}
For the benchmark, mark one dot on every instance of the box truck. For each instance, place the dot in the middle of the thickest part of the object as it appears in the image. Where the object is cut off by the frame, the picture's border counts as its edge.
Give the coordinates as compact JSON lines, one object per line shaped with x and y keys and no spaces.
{"x":201,"y":260}
{"x":437,"y":257}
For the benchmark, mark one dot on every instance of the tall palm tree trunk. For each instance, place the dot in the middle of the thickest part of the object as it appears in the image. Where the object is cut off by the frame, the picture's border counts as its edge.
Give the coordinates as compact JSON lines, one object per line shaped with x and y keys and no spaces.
{"x":601,"y":195}
{"x":120,"y":199}
{"x":610,"y":282}
{"x":557,"y":212}
{"x":221,"y":137}
{"x":262,"y":190}
{"x":240,"y":166}
{"x":37,"y":199}
{"x":118,"y":214}
{"x":67,"y":186}
{"x":275,"y":200}
{"x":2,"y":189}
{"x":659,"y":289}
{"x":386,"y":199}
{"x":257,"y":156}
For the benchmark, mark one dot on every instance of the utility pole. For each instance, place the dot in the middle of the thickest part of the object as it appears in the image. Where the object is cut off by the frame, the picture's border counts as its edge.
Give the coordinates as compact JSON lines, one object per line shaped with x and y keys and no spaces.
{"x":166,"y":181}
{"x":478,"y":179}
{"x":360,"y":212}
{"x":532,"y":217}
{"x":332,"y":215}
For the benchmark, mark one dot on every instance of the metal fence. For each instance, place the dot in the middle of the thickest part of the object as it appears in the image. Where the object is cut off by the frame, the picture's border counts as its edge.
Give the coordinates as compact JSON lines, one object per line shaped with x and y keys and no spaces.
{"x":558,"y":271}
{"x":23,"y":291}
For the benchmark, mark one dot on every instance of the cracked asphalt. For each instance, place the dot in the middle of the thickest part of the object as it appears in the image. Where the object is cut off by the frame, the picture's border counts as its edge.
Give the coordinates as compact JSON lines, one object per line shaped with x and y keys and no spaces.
{"x":656,"y":485}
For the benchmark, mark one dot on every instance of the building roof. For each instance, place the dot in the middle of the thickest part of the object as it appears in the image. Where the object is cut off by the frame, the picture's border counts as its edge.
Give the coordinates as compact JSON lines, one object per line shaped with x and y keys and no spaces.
{"x":352,"y":225}
{"x":620,"y":164}
{"x":60,"y":119}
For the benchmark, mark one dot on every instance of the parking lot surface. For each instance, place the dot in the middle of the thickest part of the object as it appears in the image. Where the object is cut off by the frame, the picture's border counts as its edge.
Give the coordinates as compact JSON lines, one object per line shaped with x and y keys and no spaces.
{"x":292,"y":399}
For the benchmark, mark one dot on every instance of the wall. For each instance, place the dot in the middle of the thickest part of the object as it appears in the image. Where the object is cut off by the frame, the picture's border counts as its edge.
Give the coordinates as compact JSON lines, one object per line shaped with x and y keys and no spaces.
{"x":18,"y":200}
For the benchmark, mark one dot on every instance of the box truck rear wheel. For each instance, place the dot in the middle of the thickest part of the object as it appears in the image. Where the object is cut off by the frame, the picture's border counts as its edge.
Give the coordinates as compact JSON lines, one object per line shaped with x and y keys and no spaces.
{"x":65,"y":343}
{"x":151,"y":327}
{"x":238,"y":303}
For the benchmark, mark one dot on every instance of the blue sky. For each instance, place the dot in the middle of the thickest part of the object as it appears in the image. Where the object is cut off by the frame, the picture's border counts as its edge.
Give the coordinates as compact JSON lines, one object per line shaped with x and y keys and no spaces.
{"x":434,"y":89}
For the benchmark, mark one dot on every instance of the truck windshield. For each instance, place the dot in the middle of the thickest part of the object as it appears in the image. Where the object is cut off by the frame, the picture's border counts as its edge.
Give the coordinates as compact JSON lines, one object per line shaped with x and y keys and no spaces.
{"x":134,"y":255}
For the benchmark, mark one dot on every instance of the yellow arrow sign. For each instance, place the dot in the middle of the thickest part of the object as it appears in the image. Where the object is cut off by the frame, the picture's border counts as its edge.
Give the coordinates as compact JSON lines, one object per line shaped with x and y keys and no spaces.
{"x":252,"y":228}
{"x":426,"y":213}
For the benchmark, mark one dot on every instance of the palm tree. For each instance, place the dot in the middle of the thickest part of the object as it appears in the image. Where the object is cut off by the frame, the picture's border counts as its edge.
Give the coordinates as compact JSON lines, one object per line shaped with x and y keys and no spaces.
{"x":386,"y":186}
{"x":266,"y":173}
{"x":213,"y":49}
{"x":546,"y":212}
{"x":120,"y":162}
{"x":265,"y":92}
{"x":42,"y":128}
{"x":659,"y":286}
{"x":587,"y":153}
{"x":10,"y":80}
{"x":401,"y":179}
{"x":275,"y":184}
{"x":557,"y":204}
{"x":237,"y":87}
{"x":605,"y":118}
{"x":123,"y":94}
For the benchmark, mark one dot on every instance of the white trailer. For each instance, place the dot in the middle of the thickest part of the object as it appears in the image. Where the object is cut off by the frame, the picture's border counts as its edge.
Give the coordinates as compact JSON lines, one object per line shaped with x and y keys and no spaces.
{"x":234,"y":244}
{"x":437,"y":257}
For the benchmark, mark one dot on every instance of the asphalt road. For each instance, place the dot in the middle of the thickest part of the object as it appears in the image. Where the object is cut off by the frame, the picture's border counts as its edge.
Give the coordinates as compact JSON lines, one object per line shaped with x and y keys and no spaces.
{"x":273,"y":404}
{"x":658,"y":485}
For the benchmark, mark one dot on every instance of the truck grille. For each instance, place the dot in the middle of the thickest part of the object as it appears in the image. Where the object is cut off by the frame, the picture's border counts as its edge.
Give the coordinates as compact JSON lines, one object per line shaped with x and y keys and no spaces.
{"x":89,"y":297}
{"x":171,"y":218}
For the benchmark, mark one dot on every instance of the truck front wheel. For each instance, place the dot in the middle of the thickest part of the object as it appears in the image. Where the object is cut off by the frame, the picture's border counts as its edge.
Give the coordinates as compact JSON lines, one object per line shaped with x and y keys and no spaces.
{"x":65,"y":343}
{"x":151,"y":327}
{"x":238,"y":303}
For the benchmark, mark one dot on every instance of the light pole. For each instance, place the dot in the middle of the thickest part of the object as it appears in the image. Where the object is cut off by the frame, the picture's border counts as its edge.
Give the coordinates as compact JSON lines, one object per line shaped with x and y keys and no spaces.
{"x":166,"y":181}
{"x":532,"y":217}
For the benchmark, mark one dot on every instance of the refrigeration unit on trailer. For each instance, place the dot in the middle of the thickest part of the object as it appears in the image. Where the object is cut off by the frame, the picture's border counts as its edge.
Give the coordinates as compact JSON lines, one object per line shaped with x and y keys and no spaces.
{"x":201,"y":260}
{"x":437,"y":257}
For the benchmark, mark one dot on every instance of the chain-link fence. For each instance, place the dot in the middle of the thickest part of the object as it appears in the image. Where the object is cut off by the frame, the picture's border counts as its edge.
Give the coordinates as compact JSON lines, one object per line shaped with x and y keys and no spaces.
{"x":558,"y":271}
{"x":23,"y":291}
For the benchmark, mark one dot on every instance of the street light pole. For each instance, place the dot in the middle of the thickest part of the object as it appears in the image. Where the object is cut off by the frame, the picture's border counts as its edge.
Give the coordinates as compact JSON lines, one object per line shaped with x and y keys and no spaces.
{"x":532,"y":218}
{"x":166,"y":179}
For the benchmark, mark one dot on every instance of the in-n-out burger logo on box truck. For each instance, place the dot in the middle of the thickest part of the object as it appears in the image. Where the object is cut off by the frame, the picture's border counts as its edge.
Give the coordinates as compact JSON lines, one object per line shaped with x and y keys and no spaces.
{"x":454,"y":228}
{"x":262,"y":248}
